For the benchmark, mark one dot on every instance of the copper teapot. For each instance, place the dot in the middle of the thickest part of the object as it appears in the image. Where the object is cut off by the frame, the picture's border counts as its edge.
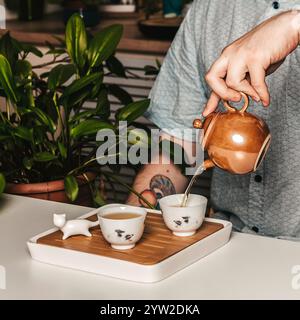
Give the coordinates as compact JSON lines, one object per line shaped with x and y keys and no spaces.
{"x":235,"y":140}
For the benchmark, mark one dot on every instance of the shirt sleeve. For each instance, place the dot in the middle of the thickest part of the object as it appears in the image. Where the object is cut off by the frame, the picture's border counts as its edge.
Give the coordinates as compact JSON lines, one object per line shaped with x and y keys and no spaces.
{"x":178,"y":95}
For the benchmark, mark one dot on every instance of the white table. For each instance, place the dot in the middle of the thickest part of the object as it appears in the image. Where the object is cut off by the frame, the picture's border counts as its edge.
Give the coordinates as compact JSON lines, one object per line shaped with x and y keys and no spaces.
{"x":248,"y":267}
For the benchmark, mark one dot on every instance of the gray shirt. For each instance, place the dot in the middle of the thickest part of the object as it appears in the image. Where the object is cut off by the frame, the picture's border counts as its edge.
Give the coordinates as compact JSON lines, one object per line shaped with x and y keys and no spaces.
{"x":266,"y":202}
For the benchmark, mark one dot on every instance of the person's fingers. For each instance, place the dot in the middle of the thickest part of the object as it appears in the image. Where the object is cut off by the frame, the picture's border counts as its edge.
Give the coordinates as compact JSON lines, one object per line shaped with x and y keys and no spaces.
{"x":215,"y":79}
{"x":237,"y":79}
{"x":257,"y":75}
{"x":245,"y":87}
{"x":212,"y":104}
{"x":273,"y":67}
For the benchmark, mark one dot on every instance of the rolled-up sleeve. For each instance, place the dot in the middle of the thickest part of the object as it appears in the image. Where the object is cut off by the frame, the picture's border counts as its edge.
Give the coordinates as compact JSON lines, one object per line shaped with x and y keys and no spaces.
{"x":178,"y":95}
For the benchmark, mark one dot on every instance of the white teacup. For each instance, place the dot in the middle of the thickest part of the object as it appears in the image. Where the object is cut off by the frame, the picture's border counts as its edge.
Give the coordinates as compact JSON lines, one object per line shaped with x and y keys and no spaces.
{"x":121,"y":233}
{"x":183,"y":221}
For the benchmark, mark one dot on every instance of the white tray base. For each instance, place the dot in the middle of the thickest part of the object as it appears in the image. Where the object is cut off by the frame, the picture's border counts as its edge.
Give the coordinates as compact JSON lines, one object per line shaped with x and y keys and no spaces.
{"x":123,"y":269}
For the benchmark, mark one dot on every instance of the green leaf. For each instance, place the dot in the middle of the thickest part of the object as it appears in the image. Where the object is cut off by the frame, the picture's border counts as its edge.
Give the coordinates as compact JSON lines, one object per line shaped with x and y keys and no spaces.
{"x":2,"y":183}
{"x":44,"y":118}
{"x":132,"y":111}
{"x":104,"y":44}
{"x":6,"y":80}
{"x":23,"y":77}
{"x":23,"y":69}
{"x":79,"y":90}
{"x":17,"y":45}
{"x":44,"y":157}
{"x":76,"y":40}
{"x":96,"y":89}
{"x":39,"y":132}
{"x":151,"y":71}
{"x":56,"y":51}
{"x":62,"y":150}
{"x":82,"y":83}
{"x":74,"y":100}
{"x":51,"y":146}
{"x":103,"y":105}
{"x":27,"y":163}
{"x":59,"y":75}
{"x":71,"y":187}
{"x":115,"y":66}
{"x":89,"y":127}
{"x":82,"y":115}
{"x":98,"y":198}
{"x":49,"y":45}
{"x":8,"y":49}
{"x":4,"y":137}
{"x":23,"y":133}
{"x":44,"y":75}
{"x":28,"y":48}
{"x":122,"y":95}
{"x":45,"y":103}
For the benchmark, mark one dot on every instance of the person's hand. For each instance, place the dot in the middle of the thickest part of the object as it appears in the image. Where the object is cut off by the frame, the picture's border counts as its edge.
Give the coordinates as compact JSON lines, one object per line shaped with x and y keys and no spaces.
{"x":244,"y":64}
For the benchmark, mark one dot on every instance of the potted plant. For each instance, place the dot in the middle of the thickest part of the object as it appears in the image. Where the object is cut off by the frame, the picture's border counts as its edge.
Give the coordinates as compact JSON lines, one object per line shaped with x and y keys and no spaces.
{"x":44,"y":130}
{"x":88,"y":9}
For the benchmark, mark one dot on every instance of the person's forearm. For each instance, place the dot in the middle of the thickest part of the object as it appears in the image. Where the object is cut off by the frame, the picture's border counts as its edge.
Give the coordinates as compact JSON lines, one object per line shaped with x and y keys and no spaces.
{"x":161,"y":177}
{"x":155,"y":181}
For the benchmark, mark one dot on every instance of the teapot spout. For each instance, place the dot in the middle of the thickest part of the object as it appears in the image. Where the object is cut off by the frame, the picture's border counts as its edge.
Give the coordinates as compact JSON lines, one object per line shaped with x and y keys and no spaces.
{"x":208,"y":164}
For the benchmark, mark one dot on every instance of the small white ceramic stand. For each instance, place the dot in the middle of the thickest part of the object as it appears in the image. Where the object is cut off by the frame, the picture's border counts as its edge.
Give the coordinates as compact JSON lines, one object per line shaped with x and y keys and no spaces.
{"x":73,"y":227}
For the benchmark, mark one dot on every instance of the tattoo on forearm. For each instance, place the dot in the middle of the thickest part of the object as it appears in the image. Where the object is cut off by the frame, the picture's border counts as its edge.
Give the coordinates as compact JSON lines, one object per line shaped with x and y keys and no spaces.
{"x":160,"y":186}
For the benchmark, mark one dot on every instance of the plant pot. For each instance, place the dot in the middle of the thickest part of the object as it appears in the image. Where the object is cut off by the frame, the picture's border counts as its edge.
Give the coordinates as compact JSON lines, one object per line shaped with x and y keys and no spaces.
{"x":31,"y":9}
{"x":89,"y":13}
{"x":54,"y":190}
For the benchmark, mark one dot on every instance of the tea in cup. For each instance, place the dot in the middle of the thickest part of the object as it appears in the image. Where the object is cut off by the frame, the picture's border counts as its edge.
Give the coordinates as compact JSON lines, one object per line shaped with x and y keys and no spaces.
{"x":183,"y":221}
{"x":122,"y":225}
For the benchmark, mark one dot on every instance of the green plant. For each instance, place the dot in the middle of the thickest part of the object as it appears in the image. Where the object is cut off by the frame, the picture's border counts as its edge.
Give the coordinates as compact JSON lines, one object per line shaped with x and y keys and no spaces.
{"x":44,"y":128}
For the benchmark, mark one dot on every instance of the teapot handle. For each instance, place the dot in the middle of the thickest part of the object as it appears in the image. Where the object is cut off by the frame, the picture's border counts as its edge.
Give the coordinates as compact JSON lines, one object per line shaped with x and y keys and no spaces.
{"x":244,"y":107}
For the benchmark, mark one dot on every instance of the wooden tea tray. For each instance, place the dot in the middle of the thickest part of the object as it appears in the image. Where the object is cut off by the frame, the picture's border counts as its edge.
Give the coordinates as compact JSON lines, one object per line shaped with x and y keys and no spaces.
{"x":157,"y":244}
{"x":157,"y":255}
